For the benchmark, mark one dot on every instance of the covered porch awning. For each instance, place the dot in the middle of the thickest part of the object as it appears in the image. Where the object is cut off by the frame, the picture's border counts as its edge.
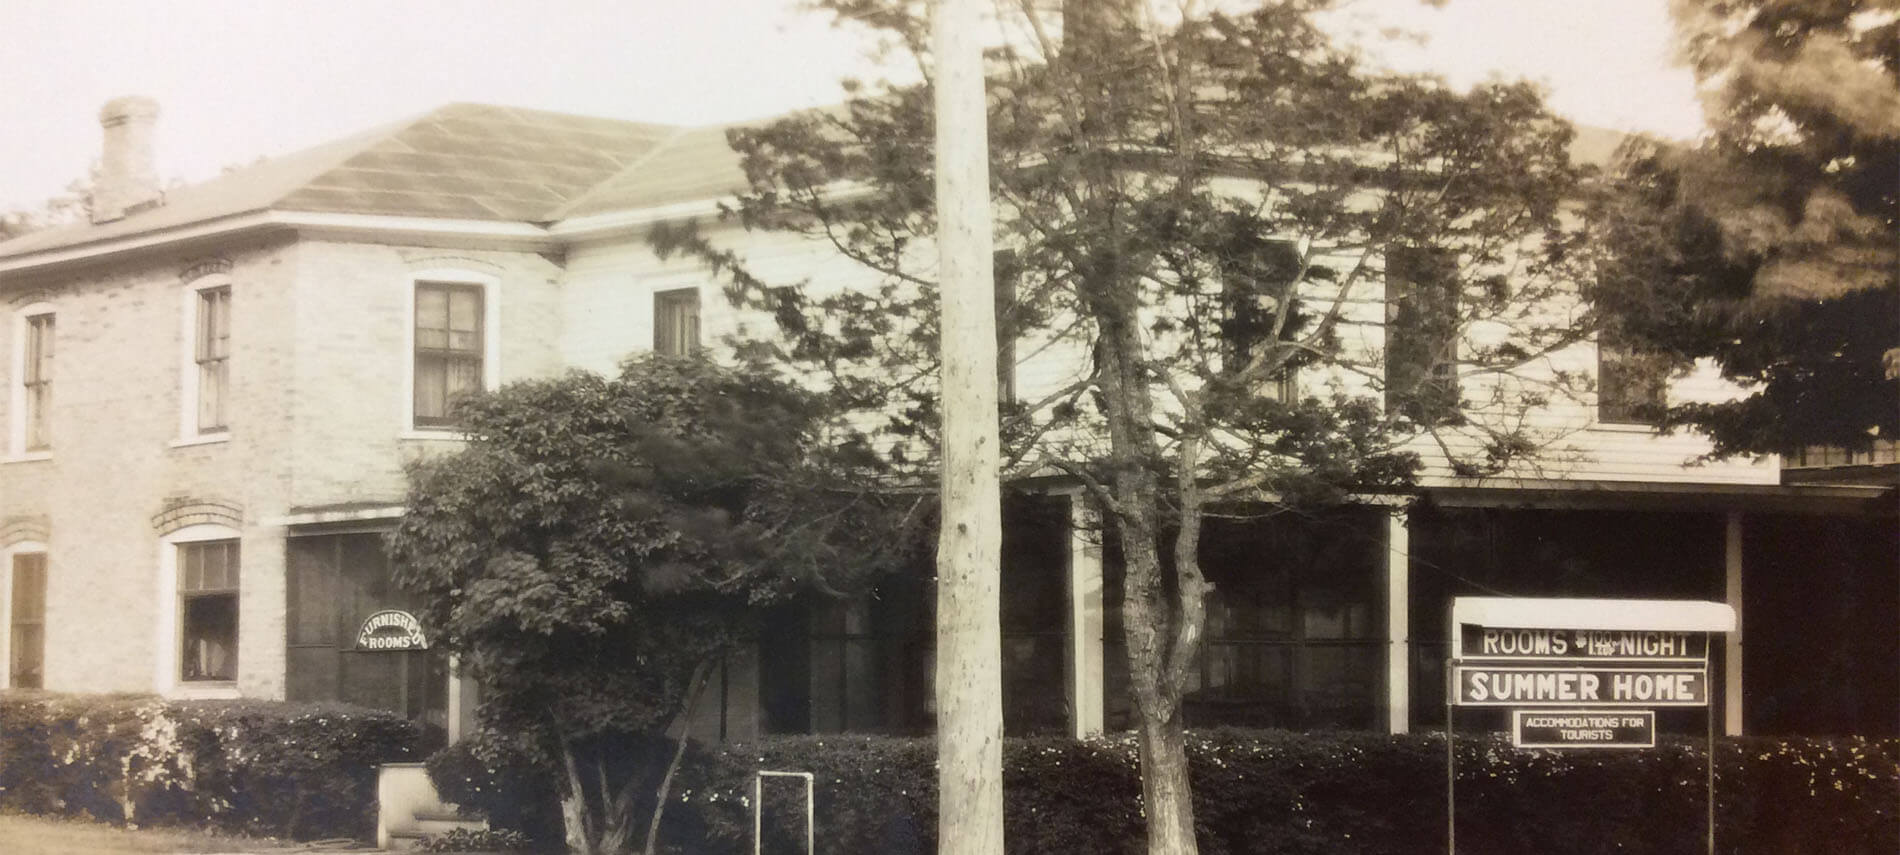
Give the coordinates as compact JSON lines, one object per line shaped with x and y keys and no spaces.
{"x":1830,"y":499}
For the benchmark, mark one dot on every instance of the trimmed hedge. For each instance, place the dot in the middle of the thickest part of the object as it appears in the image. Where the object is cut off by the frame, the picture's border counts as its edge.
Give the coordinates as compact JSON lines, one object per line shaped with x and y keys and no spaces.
{"x":1331,"y":793}
{"x":259,"y":767}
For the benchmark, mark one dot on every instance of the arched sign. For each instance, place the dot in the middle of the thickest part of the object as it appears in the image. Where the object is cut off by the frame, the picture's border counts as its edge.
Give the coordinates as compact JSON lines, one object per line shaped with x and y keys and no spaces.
{"x":391,"y":629}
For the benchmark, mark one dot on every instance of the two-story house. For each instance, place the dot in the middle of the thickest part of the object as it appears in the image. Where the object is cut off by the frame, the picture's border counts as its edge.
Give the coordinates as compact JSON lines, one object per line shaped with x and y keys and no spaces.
{"x":213,"y":390}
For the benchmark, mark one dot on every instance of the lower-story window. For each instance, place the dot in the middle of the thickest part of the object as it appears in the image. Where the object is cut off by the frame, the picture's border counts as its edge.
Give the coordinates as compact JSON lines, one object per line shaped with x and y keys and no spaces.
{"x":208,"y":610}
{"x":26,"y":639}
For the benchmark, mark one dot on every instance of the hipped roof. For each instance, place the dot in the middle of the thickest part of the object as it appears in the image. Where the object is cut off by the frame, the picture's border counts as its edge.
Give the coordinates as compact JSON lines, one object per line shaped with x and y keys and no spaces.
{"x":486,"y":163}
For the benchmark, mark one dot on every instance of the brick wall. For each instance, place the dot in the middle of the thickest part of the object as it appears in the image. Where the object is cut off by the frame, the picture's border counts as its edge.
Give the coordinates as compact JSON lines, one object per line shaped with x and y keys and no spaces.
{"x":317,"y":418}
{"x":117,"y":479}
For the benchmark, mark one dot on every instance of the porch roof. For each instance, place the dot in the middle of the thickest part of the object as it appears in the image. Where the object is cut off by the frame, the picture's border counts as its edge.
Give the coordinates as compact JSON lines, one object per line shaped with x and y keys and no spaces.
{"x":1850,"y":499}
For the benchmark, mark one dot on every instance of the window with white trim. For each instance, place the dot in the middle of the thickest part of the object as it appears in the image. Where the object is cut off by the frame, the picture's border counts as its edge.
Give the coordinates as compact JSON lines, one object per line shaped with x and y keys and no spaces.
{"x":26,"y":617}
{"x":32,"y":409}
{"x":207,"y":610}
{"x":205,"y":367}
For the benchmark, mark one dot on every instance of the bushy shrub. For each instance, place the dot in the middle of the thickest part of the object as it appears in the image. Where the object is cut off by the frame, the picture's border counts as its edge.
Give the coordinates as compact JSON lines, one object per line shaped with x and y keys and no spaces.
{"x":1283,"y":792}
{"x":298,"y":770}
{"x":501,"y":782}
{"x":1332,"y":793}
{"x":476,"y":840}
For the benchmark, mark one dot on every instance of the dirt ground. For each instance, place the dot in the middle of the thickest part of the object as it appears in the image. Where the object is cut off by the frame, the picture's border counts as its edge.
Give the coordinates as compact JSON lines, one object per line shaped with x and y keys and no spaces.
{"x":38,"y":835}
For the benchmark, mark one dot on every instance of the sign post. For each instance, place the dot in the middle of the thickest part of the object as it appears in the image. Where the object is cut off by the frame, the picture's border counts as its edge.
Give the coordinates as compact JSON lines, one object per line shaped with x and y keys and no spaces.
{"x":1579,"y":674}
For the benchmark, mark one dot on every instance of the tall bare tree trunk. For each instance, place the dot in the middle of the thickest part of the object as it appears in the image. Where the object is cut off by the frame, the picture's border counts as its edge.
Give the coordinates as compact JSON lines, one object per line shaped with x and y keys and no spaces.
{"x":969,"y":547}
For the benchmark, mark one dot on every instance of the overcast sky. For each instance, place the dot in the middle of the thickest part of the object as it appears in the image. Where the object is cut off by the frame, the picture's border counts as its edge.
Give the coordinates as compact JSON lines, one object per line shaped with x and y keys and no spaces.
{"x":240,"y":80}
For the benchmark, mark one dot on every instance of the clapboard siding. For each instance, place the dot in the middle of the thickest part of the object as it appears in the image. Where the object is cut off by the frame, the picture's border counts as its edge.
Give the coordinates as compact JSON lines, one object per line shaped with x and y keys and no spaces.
{"x":608,"y":314}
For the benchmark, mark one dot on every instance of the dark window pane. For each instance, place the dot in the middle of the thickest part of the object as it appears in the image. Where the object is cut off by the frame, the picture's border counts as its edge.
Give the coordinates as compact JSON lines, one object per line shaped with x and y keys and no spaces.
{"x":27,"y":633}
{"x":1253,"y":280}
{"x":1631,"y":386}
{"x":1007,"y":272}
{"x":676,"y":322}
{"x":213,"y":355}
{"x":449,"y":348}
{"x":210,"y":637}
{"x":38,"y":381}
{"x":1421,"y":334}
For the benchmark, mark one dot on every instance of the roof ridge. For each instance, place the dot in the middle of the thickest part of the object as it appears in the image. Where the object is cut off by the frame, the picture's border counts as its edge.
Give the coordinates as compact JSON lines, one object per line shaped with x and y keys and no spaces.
{"x":349,"y":147}
{"x":560,"y":211}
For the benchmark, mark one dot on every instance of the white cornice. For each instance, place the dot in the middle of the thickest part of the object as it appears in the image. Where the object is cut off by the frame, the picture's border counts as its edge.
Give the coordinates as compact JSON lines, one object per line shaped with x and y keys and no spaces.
{"x":492,"y":234}
{"x":620,"y":222}
{"x":633,"y":220}
{"x":372,"y":227}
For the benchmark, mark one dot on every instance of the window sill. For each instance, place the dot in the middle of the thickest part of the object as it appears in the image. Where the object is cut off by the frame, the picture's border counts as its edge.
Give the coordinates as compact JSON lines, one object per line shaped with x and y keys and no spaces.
{"x":201,"y":439}
{"x":28,"y":457}
{"x":1624,"y":427}
{"x":434,"y":434}
{"x":205,"y":691}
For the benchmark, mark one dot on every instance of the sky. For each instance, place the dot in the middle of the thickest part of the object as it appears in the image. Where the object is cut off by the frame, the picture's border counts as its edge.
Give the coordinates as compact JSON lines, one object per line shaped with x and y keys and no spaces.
{"x":236,"y":81}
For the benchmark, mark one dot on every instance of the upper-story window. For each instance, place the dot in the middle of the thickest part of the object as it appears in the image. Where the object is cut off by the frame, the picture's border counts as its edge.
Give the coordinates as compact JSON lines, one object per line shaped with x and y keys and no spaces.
{"x":1875,"y":452}
{"x":207,"y":371}
{"x":676,"y":322}
{"x":450,"y":348}
{"x":1253,"y":283}
{"x":1421,"y":334}
{"x":31,"y":428}
{"x":1006,"y":270}
{"x":38,"y":379}
{"x":1632,"y":386}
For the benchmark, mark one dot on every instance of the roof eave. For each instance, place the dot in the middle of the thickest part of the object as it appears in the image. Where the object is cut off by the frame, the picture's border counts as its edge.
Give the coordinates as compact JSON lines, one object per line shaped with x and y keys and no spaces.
{"x":428,"y":231}
{"x":627,"y":221}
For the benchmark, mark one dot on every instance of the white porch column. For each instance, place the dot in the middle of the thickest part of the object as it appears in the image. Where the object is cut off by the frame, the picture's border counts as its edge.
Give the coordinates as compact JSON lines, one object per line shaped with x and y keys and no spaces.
{"x":1398,"y":629}
{"x":456,"y":703}
{"x":1085,"y":618}
{"x":1732,"y":674}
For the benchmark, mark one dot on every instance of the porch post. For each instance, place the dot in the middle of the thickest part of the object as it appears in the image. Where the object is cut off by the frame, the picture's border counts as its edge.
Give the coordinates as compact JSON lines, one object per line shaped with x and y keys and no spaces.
{"x":1732,"y":661}
{"x":1085,"y":618}
{"x":455,"y":701}
{"x":1398,"y":631}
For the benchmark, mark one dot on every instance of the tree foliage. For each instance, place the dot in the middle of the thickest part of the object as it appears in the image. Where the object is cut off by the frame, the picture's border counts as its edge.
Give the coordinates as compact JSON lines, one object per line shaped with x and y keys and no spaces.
{"x":601,"y":541}
{"x":1195,"y":208}
{"x":1773,"y":245}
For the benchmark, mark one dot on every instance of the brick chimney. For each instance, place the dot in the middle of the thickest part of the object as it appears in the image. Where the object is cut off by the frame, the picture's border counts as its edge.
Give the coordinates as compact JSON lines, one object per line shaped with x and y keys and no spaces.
{"x":128,"y":169}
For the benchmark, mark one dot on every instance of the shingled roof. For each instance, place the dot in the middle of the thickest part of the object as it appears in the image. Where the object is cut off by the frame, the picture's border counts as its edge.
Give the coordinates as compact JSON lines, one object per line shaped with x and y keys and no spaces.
{"x":461,"y":161}
{"x":483,"y":162}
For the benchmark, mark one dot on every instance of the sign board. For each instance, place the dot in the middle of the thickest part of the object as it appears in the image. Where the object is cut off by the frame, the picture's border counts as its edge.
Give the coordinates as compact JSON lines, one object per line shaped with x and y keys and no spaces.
{"x":1610,"y":629}
{"x":1500,"y":643}
{"x":1583,"y":728}
{"x":391,"y":630}
{"x":1487,"y":685}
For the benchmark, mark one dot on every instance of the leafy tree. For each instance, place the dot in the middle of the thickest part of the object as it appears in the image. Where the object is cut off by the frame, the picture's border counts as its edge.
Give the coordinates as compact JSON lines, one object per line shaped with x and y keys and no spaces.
{"x":600,"y":542}
{"x":1773,"y":245}
{"x":1195,"y":209}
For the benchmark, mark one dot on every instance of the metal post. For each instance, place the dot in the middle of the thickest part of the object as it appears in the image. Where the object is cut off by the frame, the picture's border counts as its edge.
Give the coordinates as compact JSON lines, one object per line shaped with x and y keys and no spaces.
{"x":758,"y":808}
{"x":1709,"y":708}
{"x":1451,"y":760}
